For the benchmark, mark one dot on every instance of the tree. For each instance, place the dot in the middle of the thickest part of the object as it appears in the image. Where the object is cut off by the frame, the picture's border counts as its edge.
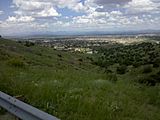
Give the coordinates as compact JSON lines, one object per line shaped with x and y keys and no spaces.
{"x":28,"y":43}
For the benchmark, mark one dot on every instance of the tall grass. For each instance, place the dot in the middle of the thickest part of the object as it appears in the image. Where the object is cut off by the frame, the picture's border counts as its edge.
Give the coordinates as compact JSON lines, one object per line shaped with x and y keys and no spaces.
{"x":73,"y":91}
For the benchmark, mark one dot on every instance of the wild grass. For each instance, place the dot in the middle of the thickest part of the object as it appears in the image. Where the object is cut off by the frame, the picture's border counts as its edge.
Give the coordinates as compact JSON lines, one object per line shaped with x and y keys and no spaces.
{"x":75,"y":90}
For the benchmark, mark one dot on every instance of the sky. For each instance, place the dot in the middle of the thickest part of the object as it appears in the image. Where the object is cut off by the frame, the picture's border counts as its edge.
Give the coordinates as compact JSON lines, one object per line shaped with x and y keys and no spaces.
{"x":18,"y":17}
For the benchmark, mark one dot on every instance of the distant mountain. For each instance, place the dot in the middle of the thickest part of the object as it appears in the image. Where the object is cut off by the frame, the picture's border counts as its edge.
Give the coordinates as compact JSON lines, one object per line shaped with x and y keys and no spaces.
{"x":86,"y":33}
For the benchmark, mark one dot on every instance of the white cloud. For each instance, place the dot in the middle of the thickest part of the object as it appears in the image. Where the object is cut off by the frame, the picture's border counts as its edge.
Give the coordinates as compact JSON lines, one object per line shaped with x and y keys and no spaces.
{"x":20,"y":19}
{"x":30,"y":5}
{"x":9,"y":28}
{"x":48,"y":7}
{"x":142,"y":6}
{"x":75,"y":5}
{"x":114,"y":19}
{"x":94,"y":14}
{"x":35,"y":8}
{"x":99,"y":18}
{"x":1,"y":12}
{"x":104,"y":2}
{"x":48,"y":13}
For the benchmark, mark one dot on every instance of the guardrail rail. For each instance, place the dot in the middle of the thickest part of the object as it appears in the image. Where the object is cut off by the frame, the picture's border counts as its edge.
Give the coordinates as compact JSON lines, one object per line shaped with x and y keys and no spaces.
{"x":23,"y":110}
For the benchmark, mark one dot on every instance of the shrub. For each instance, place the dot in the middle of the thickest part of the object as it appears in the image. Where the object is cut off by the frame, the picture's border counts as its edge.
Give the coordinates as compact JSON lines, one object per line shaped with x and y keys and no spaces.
{"x":16,"y":62}
{"x":112,"y":77}
{"x":147,"y":69}
{"x":156,"y":62}
{"x":2,"y":111}
{"x":151,"y":80}
{"x":19,"y":41}
{"x":147,"y":80}
{"x":4,"y":55}
{"x":136,"y":64}
{"x":38,"y":53}
{"x":28,"y":44}
{"x":156,"y":77}
{"x":90,"y":58}
{"x":80,"y":60}
{"x":121,"y":69}
{"x":158,"y":73}
{"x":108,"y":71}
{"x":59,"y":55}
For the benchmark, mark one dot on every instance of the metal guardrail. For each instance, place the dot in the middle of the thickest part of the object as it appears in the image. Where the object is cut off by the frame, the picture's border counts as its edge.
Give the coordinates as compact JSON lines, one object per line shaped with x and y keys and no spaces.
{"x":23,"y":110}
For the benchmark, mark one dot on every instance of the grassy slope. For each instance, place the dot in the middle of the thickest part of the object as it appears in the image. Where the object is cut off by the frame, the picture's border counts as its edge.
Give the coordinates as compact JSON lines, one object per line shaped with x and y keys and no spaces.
{"x":72,"y":89}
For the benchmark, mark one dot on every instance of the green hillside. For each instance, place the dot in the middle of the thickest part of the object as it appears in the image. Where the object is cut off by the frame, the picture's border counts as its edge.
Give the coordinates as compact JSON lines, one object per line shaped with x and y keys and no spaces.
{"x":72,"y":86}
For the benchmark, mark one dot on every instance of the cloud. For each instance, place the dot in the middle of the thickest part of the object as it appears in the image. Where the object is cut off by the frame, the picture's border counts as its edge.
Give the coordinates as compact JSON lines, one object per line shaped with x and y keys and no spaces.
{"x":35,"y":8}
{"x":47,"y":8}
{"x":20,"y":19}
{"x":1,"y":12}
{"x":47,"y":13}
{"x":99,"y":18}
{"x":30,"y":5}
{"x":82,"y":15}
{"x":142,"y":6}
{"x":21,"y":28}
{"x":75,"y":5}
{"x":106,"y":2}
{"x":115,"y":19}
{"x":127,"y":6}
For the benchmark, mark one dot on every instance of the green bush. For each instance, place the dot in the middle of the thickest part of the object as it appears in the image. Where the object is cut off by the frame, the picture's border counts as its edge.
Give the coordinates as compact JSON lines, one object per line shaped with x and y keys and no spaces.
{"x":121,"y":69}
{"x":16,"y":62}
{"x":28,"y":44}
{"x":4,"y":55}
{"x":80,"y":60}
{"x":147,"y":80}
{"x":156,"y":62}
{"x":112,"y":77}
{"x":147,"y":69}
{"x":150,"y":80}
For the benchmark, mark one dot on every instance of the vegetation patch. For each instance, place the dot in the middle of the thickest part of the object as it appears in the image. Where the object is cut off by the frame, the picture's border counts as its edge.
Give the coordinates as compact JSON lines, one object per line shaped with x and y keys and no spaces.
{"x":16,"y":62}
{"x":150,"y":80}
{"x":70,"y":86}
{"x":147,"y":69}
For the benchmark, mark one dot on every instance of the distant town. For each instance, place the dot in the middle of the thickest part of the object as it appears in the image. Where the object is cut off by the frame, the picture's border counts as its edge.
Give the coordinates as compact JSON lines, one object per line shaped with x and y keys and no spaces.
{"x":85,"y":44}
